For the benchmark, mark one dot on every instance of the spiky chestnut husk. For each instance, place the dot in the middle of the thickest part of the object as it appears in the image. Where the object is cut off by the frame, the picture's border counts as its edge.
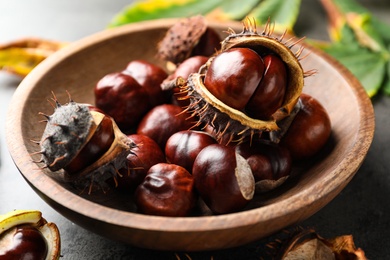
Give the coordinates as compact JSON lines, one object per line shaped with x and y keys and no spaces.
{"x":74,"y":130}
{"x":188,"y":37}
{"x":226,"y":120}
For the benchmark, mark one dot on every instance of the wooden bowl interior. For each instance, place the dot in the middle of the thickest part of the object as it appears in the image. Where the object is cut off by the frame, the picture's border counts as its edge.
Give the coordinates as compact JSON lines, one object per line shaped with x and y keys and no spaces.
{"x":78,"y":67}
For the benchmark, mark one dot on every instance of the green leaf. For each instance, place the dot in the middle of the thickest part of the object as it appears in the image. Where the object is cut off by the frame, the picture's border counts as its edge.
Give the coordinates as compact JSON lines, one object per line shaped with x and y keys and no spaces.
{"x":359,"y":19}
{"x":347,"y":6}
{"x":386,"y":85}
{"x":283,"y":13}
{"x":154,"y":9}
{"x":369,"y":67}
{"x":233,"y":9}
{"x":383,"y":29}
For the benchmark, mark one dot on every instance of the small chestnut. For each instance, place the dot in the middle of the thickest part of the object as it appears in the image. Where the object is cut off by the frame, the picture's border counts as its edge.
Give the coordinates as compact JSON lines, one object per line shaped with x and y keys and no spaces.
{"x":167,"y":190}
{"x":25,"y":242}
{"x":97,"y":145}
{"x":150,"y":77}
{"x":270,"y":163}
{"x":223,"y":179}
{"x":123,"y":98}
{"x":309,"y":131}
{"x":163,"y":121}
{"x":183,"y":147}
{"x":143,"y":156}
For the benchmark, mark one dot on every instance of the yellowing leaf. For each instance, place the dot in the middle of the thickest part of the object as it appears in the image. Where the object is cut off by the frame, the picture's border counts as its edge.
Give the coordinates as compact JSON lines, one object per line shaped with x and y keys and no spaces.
{"x":20,"y":57}
{"x":154,"y":9}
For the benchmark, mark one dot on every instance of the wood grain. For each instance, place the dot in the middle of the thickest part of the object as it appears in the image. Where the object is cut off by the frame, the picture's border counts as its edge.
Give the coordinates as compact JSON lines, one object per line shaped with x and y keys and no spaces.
{"x":79,"y":66}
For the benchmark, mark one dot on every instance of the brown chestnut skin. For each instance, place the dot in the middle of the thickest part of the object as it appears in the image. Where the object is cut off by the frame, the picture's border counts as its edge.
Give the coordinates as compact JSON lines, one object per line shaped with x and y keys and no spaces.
{"x":223,"y":179}
{"x":268,"y":161}
{"x":149,"y":76}
{"x":99,"y":143}
{"x":167,"y":190}
{"x":146,"y":154}
{"x":234,"y":75}
{"x":123,"y":98}
{"x":183,"y":147}
{"x":309,"y":131}
{"x":27,"y":243}
{"x":163,"y":121}
{"x":269,"y":94}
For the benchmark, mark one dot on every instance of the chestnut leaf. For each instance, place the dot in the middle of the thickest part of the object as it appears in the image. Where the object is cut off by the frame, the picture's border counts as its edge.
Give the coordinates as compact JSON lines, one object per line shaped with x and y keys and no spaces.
{"x":282,"y":13}
{"x":360,"y":42}
{"x":369,"y":67}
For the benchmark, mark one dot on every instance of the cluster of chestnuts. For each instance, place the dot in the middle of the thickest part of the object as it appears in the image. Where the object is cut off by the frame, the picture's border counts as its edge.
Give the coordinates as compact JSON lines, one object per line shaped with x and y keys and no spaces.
{"x":224,"y":120}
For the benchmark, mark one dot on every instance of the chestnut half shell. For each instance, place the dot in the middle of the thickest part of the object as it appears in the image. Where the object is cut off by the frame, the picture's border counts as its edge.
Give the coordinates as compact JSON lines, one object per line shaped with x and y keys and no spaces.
{"x":211,"y":109}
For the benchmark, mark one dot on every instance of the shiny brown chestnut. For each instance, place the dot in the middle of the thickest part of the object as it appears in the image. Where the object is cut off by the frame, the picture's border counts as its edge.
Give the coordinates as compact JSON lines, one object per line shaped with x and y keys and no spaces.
{"x":167,"y":190}
{"x":270,"y":163}
{"x":25,"y":234}
{"x":183,"y":147}
{"x":220,"y":92}
{"x":223,"y":179}
{"x":97,"y":145}
{"x":27,"y":243}
{"x":269,"y":94}
{"x":146,"y":154}
{"x":234,"y":75}
{"x":85,"y":143}
{"x":309,"y":131}
{"x":163,"y":121}
{"x":123,"y":98}
{"x":150,"y":77}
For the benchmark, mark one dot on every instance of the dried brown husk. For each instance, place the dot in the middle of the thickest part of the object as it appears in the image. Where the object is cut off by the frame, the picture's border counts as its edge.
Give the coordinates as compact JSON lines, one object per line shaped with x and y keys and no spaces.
{"x":181,"y":38}
{"x":307,"y":244}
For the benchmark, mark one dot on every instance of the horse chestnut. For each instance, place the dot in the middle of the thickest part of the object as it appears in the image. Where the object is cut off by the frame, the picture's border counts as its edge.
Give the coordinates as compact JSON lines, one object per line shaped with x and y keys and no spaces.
{"x":269,"y":94}
{"x":100,"y":142}
{"x":150,"y":77}
{"x":270,"y":163}
{"x":167,"y":190}
{"x":146,"y":154}
{"x":309,"y":131}
{"x":25,"y":234}
{"x":233,"y":76}
{"x":27,"y":243}
{"x":222,"y":89}
{"x":163,"y":121}
{"x":123,"y":98}
{"x":183,"y":147}
{"x":223,"y":179}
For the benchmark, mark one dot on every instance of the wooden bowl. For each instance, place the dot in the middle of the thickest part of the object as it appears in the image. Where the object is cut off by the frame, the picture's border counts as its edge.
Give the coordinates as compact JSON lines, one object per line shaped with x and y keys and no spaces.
{"x":79,"y":66}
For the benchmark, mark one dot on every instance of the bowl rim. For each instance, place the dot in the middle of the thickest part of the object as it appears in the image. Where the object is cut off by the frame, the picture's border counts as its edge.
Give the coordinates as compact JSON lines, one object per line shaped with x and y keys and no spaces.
{"x":22,"y":158}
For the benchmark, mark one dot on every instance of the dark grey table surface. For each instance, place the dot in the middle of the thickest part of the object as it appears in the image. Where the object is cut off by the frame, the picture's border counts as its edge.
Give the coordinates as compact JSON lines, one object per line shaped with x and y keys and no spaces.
{"x":361,"y":209}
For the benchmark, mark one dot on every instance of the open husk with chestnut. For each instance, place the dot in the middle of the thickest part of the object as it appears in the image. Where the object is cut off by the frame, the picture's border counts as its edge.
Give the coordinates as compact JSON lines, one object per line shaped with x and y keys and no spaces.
{"x":224,"y":120}
{"x":25,"y":234}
